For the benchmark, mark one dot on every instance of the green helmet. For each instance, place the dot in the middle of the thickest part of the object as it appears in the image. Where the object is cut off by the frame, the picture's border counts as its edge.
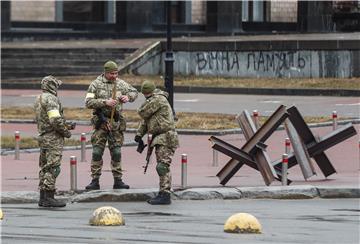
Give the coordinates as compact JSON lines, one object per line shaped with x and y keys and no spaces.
{"x":110,"y":66}
{"x":147,"y":87}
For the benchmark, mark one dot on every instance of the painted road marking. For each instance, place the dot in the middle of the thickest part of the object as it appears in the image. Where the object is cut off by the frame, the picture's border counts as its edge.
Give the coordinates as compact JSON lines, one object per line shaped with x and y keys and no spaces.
{"x":347,"y":104}
{"x":188,"y":100}
{"x":270,"y":101}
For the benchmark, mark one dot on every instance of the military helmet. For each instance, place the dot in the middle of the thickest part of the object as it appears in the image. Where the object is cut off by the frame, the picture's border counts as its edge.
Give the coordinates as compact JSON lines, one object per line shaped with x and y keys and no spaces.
{"x":110,"y":66}
{"x":147,"y":87}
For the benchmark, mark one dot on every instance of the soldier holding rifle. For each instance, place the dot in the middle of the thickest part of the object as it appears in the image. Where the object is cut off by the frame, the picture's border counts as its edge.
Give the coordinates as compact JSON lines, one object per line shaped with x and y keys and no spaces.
{"x":157,"y":120}
{"x":105,"y":96}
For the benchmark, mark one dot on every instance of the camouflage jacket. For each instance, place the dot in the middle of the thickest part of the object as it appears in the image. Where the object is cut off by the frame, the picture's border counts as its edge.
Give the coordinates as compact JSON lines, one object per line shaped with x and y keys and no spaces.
{"x":158,"y":120}
{"x":49,"y":113}
{"x":100,"y":90}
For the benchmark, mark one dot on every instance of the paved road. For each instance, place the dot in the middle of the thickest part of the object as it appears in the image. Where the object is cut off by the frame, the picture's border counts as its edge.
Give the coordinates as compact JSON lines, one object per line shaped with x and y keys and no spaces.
{"x":214,"y":103}
{"x":283,"y":221}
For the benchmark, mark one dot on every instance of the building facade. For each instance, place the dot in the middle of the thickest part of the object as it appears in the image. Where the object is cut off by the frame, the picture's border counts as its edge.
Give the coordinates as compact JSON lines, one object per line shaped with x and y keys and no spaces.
{"x":188,"y":17}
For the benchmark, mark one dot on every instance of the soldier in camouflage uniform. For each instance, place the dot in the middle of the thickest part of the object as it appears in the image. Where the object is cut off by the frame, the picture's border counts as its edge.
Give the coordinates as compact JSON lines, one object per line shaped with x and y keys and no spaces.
{"x":99,"y":98}
{"x":52,"y":129}
{"x":158,"y":121}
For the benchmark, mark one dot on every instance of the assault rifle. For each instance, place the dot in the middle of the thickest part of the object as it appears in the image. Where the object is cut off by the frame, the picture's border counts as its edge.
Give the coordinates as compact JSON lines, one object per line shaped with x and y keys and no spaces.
{"x":103,"y":123}
{"x":148,"y":153}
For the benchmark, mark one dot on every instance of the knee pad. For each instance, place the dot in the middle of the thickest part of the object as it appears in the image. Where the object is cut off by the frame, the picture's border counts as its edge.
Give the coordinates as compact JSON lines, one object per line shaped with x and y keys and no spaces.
{"x":162,"y":169}
{"x":56,"y":171}
{"x":116,"y":154}
{"x":97,"y":153}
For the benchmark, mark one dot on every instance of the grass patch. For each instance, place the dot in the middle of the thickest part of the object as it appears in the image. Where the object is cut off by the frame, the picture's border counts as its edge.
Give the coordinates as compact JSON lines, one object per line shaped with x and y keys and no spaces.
{"x":8,"y":142}
{"x":288,"y":83}
{"x":186,"y":120}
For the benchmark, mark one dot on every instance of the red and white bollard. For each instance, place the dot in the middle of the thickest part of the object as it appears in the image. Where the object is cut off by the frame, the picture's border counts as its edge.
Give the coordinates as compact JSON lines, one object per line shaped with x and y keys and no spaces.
{"x":256,"y":119}
{"x":284,"y":169}
{"x":83,"y":147}
{"x":334,"y":118}
{"x":183,"y":170}
{"x":17,"y":145}
{"x":287,"y":145}
{"x":73,"y":173}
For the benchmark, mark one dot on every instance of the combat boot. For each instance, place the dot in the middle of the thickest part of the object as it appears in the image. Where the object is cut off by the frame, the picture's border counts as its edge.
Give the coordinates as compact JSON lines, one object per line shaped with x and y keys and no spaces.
{"x":94,"y":184}
{"x":50,"y":202}
{"x":163,"y":198}
{"x":41,"y":200}
{"x":119,"y":184}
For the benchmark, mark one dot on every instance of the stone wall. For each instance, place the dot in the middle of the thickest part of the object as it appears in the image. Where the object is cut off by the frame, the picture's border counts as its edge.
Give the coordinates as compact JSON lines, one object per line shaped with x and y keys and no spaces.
{"x":33,"y":10}
{"x":283,"y":11}
{"x":292,"y":59}
{"x":287,"y":64}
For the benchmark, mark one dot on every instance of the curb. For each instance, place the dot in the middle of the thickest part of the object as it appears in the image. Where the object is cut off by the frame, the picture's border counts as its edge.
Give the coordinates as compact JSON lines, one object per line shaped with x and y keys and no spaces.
{"x":218,"y":90}
{"x":221,"y":193}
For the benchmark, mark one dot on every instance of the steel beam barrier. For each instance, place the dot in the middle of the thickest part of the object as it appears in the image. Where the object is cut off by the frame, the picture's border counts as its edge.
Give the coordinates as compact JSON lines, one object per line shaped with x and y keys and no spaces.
{"x":300,"y":151}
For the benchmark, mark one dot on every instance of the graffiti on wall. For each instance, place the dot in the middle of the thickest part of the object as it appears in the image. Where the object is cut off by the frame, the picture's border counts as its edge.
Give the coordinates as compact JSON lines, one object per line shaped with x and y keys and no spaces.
{"x":273,"y":61}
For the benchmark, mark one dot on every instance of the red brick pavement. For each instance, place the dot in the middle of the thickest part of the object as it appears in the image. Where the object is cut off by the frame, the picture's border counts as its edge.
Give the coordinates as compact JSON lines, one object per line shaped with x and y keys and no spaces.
{"x":21,"y":175}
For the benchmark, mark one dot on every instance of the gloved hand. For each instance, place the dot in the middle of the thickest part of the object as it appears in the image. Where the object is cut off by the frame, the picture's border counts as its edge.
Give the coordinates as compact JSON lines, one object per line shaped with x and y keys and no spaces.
{"x":67,"y":134}
{"x":70,"y":125}
{"x":137,"y":138}
{"x":141,"y":146}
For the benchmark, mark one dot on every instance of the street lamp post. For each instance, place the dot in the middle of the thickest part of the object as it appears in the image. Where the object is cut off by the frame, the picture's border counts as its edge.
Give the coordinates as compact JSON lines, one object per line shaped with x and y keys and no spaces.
{"x":169,"y":59}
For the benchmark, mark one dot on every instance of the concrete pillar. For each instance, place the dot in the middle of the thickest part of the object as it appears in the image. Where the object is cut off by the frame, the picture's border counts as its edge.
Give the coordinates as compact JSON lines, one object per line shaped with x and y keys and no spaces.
{"x":110,"y":11}
{"x":59,"y":11}
{"x":188,"y":12}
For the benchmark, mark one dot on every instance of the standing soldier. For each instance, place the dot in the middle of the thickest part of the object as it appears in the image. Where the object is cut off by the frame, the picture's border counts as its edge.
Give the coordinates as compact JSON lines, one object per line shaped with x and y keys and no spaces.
{"x":158,"y":121}
{"x":105,"y":96}
{"x":52,"y":129}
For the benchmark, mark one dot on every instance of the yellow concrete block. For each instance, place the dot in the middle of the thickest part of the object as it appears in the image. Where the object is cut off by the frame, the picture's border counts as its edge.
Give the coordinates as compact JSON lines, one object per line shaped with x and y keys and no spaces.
{"x":106,"y":216}
{"x":1,"y":214}
{"x":242,"y":223}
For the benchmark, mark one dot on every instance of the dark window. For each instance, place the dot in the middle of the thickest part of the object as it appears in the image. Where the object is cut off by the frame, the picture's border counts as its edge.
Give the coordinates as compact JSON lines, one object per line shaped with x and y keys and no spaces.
{"x":84,"y":11}
{"x":178,"y":11}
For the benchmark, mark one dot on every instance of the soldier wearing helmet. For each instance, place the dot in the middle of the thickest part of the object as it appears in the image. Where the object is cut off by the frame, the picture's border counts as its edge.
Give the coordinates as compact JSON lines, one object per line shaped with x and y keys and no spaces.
{"x":106,"y":96}
{"x":157,"y":120}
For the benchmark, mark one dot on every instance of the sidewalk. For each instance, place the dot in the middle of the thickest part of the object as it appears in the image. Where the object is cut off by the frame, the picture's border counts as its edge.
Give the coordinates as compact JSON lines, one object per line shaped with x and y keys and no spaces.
{"x":20,"y":177}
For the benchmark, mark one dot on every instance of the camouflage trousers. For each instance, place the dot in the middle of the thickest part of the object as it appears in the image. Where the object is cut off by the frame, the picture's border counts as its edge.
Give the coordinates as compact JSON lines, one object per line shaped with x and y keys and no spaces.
{"x":49,"y":163}
{"x":163,"y":158}
{"x":98,"y":141}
